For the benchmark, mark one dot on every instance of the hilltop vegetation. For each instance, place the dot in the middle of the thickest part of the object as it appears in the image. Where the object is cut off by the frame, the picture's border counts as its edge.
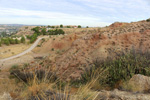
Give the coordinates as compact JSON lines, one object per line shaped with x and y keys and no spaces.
{"x":86,"y":61}
{"x":10,"y":39}
{"x":148,"y":20}
{"x":42,"y":31}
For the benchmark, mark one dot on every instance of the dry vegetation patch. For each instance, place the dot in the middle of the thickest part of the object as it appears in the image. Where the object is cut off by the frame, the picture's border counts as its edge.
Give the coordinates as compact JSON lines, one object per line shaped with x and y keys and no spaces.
{"x":7,"y":51}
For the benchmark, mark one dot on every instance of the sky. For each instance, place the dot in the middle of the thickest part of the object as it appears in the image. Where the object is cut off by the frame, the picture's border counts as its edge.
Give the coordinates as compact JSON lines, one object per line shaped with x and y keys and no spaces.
{"x":73,"y":12}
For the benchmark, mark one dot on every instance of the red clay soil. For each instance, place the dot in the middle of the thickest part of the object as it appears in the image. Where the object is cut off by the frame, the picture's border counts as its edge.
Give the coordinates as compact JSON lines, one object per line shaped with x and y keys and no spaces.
{"x":83,"y":51}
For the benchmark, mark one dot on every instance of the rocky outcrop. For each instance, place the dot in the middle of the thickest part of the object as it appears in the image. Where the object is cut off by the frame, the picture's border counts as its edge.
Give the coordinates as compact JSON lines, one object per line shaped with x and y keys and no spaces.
{"x":139,"y":83}
{"x":121,"y":95}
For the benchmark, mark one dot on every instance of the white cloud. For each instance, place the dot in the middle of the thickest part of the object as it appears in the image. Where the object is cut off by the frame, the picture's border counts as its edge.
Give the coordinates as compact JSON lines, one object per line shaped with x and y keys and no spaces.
{"x":83,"y":12}
{"x":45,"y":17}
{"x":122,"y":10}
{"x":41,"y":14}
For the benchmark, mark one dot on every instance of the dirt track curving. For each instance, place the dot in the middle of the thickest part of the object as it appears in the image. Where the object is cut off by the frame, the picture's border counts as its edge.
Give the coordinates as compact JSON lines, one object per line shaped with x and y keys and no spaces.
{"x":25,"y":52}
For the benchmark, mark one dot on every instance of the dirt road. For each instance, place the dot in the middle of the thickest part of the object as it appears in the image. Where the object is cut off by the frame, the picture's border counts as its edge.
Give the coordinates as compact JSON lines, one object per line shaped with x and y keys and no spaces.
{"x":26,"y":51}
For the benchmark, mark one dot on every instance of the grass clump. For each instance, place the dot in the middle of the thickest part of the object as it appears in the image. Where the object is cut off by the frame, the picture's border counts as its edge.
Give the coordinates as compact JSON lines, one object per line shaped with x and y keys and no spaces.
{"x":13,"y":68}
{"x":39,"y":87}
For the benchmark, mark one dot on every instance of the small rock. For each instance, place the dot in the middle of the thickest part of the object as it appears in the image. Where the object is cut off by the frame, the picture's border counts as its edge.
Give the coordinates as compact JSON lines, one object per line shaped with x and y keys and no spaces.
{"x":139,"y":83}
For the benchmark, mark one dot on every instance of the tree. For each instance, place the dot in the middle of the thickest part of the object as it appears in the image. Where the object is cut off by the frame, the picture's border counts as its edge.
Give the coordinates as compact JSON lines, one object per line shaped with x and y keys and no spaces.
{"x":22,"y":39}
{"x":51,"y":32}
{"x":59,"y":31}
{"x":61,"y":26}
{"x":79,"y":26}
{"x":0,"y":43}
{"x":28,"y":37}
{"x":52,"y":26}
{"x":16,"y":41}
{"x":49,"y":26}
{"x":44,"y":31}
{"x":11,"y":40}
{"x":6,"y":41}
{"x":68,"y":27}
{"x":87,"y":27}
{"x":56,"y":32}
{"x":36,"y":29}
{"x":33,"y":38}
{"x":148,"y":20}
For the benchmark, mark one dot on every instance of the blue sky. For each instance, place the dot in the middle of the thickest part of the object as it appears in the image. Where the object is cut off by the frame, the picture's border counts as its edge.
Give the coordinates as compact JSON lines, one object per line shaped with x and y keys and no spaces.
{"x":73,"y":12}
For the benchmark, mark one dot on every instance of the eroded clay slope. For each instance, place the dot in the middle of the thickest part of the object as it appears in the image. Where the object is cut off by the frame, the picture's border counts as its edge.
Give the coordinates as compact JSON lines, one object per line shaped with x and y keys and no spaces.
{"x":99,"y":44}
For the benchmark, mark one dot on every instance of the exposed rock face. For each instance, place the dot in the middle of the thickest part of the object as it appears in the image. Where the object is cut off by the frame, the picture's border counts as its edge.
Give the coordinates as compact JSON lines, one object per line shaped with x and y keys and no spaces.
{"x":99,"y":44}
{"x":140,"y":83}
{"x":121,"y":95}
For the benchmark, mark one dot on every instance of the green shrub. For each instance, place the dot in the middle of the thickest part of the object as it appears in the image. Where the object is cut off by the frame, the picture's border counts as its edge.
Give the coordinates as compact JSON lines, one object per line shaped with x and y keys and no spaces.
{"x":56,"y":32}
{"x":38,"y":45}
{"x":52,"y":49}
{"x":68,"y":26}
{"x":148,"y":20}
{"x":36,"y":29}
{"x":120,"y":68}
{"x":0,"y":43}
{"x":61,"y":26}
{"x":79,"y":26}
{"x":17,"y":41}
{"x":22,"y":39}
{"x":13,"y":68}
{"x":6,"y":41}
{"x":44,"y":31}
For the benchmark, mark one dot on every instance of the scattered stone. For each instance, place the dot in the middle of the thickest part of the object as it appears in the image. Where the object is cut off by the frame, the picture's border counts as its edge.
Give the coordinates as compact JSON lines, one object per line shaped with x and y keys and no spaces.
{"x":121,"y":95}
{"x":140,"y":83}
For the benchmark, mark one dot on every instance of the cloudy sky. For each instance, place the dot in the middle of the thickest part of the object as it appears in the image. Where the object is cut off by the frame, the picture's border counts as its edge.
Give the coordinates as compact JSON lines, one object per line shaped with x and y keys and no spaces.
{"x":73,"y":12}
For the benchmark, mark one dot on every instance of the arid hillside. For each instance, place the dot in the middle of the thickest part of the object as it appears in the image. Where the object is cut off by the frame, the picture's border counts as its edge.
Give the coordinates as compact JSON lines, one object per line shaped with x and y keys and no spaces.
{"x":99,"y":44}
{"x":87,"y":59}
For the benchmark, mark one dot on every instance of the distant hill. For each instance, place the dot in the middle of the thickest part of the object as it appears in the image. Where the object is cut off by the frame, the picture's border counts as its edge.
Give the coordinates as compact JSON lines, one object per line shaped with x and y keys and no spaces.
{"x":11,"y":25}
{"x":19,"y":25}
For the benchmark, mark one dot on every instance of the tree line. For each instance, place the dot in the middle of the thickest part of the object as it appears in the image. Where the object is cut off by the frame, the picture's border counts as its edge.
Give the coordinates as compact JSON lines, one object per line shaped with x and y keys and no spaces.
{"x":42,"y":31}
{"x":32,"y":38}
{"x":8,"y":40}
{"x":56,"y":32}
{"x":62,"y":26}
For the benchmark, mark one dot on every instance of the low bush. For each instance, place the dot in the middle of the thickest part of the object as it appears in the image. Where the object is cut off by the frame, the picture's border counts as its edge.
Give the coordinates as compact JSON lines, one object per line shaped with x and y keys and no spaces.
{"x":56,"y":32}
{"x":148,"y":20}
{"x":121,"y":68}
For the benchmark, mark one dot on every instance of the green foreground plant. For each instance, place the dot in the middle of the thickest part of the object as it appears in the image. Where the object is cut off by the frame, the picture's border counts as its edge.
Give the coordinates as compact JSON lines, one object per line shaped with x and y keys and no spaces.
{"x":112,"y":72}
